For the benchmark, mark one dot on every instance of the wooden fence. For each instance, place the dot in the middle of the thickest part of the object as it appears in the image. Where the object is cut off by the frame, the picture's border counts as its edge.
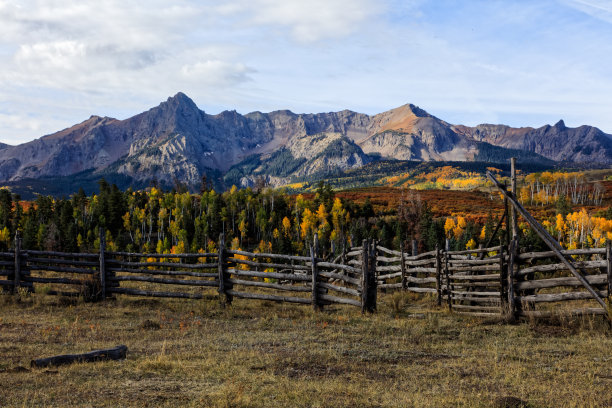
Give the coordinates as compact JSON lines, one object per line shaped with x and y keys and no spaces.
{"x":495,"y":281}
{"x":232,"y":273}
{"x":501,"y":280}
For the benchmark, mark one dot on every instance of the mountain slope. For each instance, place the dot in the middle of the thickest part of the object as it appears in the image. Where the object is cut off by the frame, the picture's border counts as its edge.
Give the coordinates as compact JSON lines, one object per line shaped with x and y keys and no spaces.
{"x":176,"y":141}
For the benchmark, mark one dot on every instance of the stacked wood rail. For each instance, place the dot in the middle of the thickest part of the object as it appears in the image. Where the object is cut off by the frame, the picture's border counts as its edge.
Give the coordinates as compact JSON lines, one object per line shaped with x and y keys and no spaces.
{"x":498,"y":280}
{"x":545,"y":287}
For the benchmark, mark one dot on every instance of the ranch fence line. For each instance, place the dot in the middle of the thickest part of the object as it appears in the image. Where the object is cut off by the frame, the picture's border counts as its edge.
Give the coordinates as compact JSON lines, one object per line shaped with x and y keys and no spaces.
{"x":495,"y":281}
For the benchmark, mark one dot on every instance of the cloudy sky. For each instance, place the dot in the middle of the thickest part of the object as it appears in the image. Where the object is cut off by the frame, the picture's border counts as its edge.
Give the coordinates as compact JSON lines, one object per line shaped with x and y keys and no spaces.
{"x":520,"y":62}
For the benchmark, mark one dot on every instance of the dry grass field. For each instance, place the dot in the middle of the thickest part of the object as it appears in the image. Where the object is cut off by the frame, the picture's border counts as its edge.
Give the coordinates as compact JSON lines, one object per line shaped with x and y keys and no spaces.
{"x":254,"y":354}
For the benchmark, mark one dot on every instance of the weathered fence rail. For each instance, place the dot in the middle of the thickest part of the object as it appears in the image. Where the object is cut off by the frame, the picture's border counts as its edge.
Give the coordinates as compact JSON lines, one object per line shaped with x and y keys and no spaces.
{"x":498,"y":281}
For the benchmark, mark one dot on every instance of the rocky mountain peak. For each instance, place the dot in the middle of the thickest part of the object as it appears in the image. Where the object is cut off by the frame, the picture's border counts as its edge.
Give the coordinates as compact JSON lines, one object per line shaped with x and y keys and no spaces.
{"x":560,"y":125}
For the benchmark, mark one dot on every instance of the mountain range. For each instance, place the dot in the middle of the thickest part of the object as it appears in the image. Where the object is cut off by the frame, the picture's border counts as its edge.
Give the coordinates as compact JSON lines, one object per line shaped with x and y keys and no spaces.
{"x":176,"y":141}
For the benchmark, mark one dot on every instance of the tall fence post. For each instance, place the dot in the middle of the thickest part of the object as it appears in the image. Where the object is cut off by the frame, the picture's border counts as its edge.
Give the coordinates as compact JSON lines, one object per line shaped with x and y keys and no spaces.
{"x":438,"y":277}
{"x":315,"y":276}
{"x":365,"y":272}
{"x":513,"y":214}
{"x":449,"y":292}
{"x":314,"y":253}
{"x":503,"y":279}
{"x":403,"y":268}
{"x":512,"y":309}
{"x":373,"y":286}
{"x":224,"y":286}
{"x":17,"y":275}
{"x":609,"y":263}
{"x":102,"y":263}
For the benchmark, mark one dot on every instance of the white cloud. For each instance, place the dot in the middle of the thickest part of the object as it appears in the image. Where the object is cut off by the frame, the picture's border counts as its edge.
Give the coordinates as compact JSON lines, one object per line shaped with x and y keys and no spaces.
{"x":314,"y":20}
{"x":600,"y":9}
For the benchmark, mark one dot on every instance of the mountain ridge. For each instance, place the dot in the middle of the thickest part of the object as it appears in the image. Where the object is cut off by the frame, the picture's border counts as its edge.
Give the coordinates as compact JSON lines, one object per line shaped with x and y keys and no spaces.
{"x":177,"y":141}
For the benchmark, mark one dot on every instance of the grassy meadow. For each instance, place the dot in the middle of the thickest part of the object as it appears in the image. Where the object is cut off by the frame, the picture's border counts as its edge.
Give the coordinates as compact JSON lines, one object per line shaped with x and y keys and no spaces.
{"x":252,"y":354}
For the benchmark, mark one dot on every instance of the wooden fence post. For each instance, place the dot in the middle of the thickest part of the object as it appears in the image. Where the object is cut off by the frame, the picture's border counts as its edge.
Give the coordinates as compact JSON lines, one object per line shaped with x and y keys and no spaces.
{"x":373,"y":287}
{"x":102,"y":264}
{"x":17,"y":275}
{"x":224,"y":297}
{"x":438,"y":277}
{"x":503,"y":279}
{"x":511,"y":298}
{"x":609,"y":264}
{"x":449,"y":293}
{"x":403,"y":268}
{"x":365,"y":271}
{"x":415,"y":247}
{"x":315,"y":276}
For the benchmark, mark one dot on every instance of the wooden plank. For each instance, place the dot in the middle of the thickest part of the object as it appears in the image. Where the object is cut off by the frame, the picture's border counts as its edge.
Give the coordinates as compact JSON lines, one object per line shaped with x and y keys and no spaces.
{"x":30,"y":252}
{"x":148,"y":293}
{"x":474,"y":251}
{"x":478,"y":299}
{"x":117,"y":353}
{"x":267,"y":285}
{"x":162,"y":264}
{"x":573,"y":312}
{"x":338,"y":276}
{"x":342,"y":289}
{"x":494,"y":276}
{"x":390,"y":268}
{"x":166,"y":273}
{"x":559,"y":297}
{"x":272,"y":275}
{"x":459,"y":292}
{"x":275,"y":298}
{"x":57,"y":261}
{"x":493,"y":261}
{"x":567,"y":252}
{"x":479,"y":314}
{"x":397,"y":285}
{"x":7,"y":282}
{"x":337,"y":266}
{"x":477,"y":307}
{"x":341,"y":300}
{"x":564,"y":281}
{"x":267,"y":255}
{"x":185,"y":282}
{"x":421,"y":290}
{"x":388,"y":260}
{"x":562,"y":267}
{"x":171,"y":256}
{"x":609,"y":270}
{"x":269,"y":265}
{"x":64,"y":281}
{"x":48,"y":268}
{"x":390,"y":276}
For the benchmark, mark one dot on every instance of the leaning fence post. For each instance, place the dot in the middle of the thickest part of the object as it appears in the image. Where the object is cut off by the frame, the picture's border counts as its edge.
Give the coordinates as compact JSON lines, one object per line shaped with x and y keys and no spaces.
{"x":17,"y":275}
{"x":102,"y":264}
{"x":224,"y":297}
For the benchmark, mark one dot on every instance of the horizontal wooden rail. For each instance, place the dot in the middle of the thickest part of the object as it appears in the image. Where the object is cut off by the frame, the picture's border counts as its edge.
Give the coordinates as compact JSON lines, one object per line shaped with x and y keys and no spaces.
{"x":268,"y":285}
{"x":271,"y":275}
{"x":190,"y":282}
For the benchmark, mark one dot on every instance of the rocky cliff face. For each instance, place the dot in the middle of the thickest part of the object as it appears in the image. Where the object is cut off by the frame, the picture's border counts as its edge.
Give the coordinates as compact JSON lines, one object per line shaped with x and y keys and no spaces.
{"x":178,"y":141}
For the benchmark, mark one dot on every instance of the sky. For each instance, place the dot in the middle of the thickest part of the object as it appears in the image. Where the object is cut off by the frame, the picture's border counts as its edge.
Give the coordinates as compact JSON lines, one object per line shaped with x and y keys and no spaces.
{"x":519,"y":62}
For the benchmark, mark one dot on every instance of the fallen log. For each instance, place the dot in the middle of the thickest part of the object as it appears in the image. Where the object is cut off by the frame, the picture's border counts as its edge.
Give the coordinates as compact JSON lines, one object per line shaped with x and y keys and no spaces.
{"x":117,"y":353}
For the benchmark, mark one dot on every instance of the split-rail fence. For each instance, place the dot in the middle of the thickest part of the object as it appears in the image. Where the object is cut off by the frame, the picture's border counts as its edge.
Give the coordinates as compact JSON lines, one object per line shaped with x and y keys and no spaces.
{"x":495,"y":281}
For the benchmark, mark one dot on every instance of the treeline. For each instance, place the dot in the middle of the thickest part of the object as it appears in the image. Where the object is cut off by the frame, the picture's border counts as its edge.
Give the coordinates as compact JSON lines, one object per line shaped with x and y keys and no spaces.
{"x":166,"y":222}
{"x":177,"y":221}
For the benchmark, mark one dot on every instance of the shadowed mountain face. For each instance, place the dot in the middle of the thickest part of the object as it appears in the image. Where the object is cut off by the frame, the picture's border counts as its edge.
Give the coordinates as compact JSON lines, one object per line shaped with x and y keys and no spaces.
{"x":178,"y":141}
